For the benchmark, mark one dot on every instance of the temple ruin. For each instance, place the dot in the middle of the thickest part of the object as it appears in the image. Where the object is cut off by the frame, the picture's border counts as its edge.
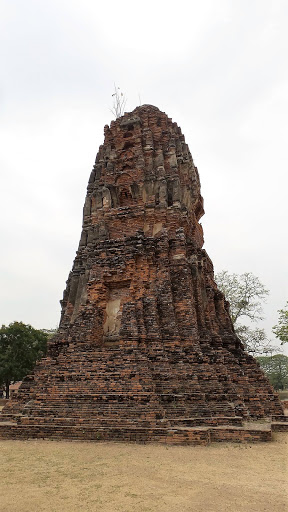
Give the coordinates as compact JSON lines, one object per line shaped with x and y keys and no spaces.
{"x":146,"y":350}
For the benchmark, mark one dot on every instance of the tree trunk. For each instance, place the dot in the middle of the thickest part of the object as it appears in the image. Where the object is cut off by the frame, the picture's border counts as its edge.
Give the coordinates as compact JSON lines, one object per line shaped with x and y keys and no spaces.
{"x":7,"y":384}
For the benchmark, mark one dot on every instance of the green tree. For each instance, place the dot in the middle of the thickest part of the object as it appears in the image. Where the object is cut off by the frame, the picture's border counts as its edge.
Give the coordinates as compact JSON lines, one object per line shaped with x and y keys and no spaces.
{"x":245,"y":294}
{"x":20,"y":347}
{"x":281,"y":330}
{"x":255,"y":340}
{"x":50,"y":332}
{"x":276,"y":369}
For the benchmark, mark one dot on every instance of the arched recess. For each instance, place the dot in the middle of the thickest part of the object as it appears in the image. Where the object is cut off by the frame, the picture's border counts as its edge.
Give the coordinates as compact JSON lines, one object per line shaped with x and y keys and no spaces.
{"x":124,"y":191}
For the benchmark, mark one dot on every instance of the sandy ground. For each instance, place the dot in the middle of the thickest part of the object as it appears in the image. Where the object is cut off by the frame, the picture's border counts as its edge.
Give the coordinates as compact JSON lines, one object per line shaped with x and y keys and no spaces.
{"x":40,"y":476}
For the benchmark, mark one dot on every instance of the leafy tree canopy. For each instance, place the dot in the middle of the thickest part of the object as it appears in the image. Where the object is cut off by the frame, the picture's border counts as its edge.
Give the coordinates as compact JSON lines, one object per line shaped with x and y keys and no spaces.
{"x":255,"y":340}
{"x":245,"y":294}
{"x":20,"y":347}
{"x":276,"y":369}
{"x":281,"y":330}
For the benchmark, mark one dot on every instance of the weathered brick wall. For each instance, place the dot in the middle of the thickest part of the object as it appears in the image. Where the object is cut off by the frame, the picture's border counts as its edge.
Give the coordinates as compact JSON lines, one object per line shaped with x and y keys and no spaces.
{"x":145,"y":339}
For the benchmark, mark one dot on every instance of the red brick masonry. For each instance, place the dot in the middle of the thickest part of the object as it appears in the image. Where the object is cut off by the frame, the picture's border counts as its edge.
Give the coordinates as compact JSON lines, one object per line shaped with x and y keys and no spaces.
{"x":146,"y":349}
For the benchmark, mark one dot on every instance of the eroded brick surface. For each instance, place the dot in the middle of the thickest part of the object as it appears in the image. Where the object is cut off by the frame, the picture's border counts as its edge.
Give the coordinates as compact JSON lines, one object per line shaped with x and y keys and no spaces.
{"x":146,"y":349}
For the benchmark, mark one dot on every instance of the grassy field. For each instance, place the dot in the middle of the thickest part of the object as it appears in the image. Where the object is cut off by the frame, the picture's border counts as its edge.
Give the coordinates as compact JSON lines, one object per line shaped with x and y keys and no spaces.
{"x":42,"y":476}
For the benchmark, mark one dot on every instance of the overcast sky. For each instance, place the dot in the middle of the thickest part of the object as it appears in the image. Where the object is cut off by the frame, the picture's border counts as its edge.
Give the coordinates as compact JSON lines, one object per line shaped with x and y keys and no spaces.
{"x":218,"y":68}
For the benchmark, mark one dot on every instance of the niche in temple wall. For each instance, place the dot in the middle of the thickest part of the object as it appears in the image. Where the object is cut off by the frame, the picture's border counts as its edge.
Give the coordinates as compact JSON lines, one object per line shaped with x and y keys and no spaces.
{"x":106,"y":198}
{"x":162,"y":192}
{"x":124,"y":191}
{"x":103,"y":197}
{"x":116,"y":297}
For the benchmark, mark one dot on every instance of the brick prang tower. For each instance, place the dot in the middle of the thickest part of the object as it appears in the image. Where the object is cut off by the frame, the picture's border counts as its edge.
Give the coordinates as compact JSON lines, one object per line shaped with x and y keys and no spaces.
{"x":146,"y":350}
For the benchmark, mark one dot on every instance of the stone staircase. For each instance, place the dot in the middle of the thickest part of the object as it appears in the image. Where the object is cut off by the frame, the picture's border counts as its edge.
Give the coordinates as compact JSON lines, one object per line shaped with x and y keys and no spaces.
{"x":184,"y":431}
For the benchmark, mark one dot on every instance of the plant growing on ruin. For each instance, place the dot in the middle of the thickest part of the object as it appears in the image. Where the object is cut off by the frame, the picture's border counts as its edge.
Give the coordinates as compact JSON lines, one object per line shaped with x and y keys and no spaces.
{"x":119,"y":102}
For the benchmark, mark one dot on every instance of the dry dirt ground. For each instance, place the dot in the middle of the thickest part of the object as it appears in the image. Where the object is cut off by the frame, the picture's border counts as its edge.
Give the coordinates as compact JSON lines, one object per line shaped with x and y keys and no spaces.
{"x":42,"y":476}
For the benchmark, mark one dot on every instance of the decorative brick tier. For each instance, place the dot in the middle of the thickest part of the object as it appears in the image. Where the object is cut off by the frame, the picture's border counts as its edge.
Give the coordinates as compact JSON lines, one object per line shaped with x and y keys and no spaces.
{"x":182,"y":436}
{"x":146,"y":350}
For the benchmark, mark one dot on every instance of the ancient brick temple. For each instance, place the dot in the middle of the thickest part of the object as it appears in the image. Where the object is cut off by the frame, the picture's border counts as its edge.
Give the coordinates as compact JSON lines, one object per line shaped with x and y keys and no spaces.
{"x":146,"y":350}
